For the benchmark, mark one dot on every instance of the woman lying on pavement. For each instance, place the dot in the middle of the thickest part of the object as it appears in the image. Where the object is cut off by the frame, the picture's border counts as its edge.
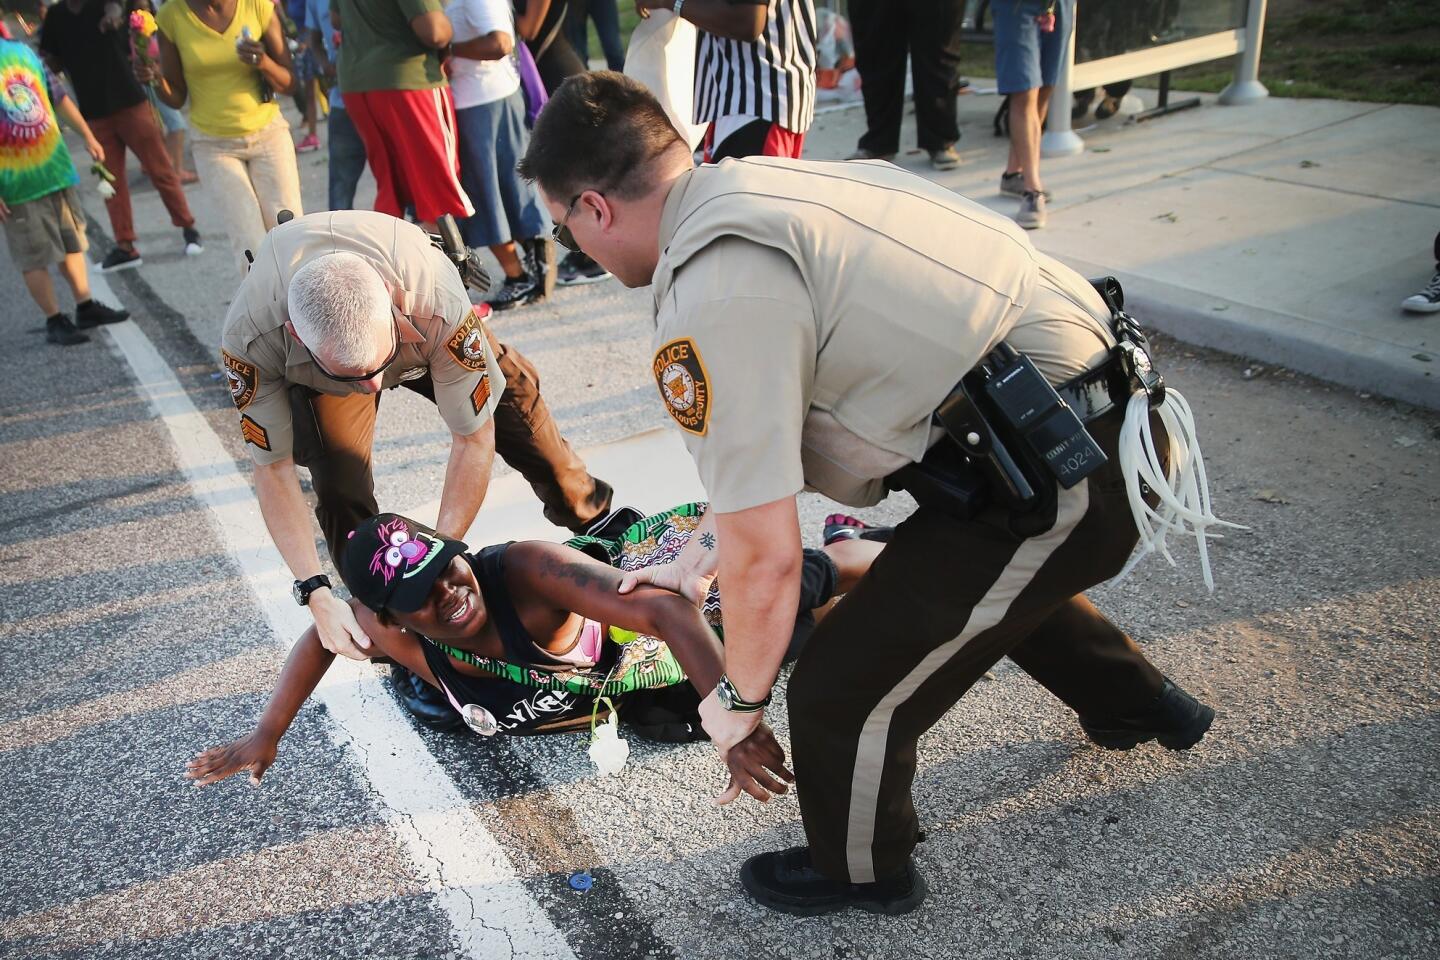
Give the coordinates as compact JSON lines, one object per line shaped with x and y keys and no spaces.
{"x":525,"y":637}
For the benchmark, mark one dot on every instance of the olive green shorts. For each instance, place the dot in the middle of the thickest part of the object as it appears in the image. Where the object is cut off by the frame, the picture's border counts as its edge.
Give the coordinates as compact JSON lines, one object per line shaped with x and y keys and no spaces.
{"x":44,"y":231}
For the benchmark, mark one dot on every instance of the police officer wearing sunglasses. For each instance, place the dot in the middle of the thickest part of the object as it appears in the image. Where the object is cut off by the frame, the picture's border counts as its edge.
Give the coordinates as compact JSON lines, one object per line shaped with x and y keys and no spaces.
{"x":336,"y":308}
{"x":853,"y":328}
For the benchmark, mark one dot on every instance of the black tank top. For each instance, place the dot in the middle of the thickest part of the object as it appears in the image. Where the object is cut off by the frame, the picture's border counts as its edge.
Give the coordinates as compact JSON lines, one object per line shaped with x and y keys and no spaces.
{"x":514,"y":707}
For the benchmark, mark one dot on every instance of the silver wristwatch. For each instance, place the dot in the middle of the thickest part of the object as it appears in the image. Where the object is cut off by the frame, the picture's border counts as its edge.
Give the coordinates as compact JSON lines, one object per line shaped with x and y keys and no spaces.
{"x":676,"y":8}
{"x":731,"y":700}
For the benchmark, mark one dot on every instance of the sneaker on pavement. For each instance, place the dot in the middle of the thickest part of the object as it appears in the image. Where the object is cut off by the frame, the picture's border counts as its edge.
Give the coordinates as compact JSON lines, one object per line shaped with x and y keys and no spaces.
{"x":1176,"y":719}
{"x":1012,"y":184}
{"x":1032,"y":215}
{"x":539,"y":257}
{"x":785,"y":880}
{"x":862,"y":154}
{"x":59,"y":330}
{"x":193,"y":246}
{"x":120,"y":259}
{"x":310,"y":144}
{"x":577,"y":269}
{"x":516,"y":292}
{"x":1427,"y":300}
{"x":945,"y":159}
{"x":93,"y":313}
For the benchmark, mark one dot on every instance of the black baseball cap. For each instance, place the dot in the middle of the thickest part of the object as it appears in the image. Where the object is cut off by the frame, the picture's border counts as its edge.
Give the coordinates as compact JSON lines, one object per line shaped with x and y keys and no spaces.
{"x":391,"y":562}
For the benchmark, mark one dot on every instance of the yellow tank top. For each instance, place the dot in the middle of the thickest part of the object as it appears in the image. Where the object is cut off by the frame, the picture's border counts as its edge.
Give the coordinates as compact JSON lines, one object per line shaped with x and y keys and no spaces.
{"x":224,"y":93}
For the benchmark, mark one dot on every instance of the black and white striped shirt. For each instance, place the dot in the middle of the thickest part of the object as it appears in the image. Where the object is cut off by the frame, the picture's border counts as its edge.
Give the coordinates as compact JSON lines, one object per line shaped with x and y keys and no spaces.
{"x":771,"y":79}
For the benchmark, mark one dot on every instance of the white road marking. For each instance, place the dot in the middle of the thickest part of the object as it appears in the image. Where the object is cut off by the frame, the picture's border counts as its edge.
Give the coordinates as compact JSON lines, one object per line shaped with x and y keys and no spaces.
{"x":455,"y":855}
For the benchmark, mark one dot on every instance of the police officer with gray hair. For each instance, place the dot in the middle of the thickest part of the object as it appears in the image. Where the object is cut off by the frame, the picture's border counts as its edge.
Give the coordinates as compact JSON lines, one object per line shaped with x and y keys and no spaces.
{"x":853,"y":328}
{"x":337,"y":307}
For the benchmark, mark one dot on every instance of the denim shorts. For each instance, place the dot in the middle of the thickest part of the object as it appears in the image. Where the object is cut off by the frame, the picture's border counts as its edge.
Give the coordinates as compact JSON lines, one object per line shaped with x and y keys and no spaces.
{"x":1026,"y":58}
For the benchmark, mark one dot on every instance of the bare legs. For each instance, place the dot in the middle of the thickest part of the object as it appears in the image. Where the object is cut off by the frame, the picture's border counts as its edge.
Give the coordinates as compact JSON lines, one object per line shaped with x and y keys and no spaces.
{"x":509,"y":259}
{"x":1027,"y":115}
{"x":42,"y":290}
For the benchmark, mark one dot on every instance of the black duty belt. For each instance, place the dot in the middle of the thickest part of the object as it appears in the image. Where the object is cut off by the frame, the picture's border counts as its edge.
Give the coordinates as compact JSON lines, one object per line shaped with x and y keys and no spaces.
{"x":1091,"y":394}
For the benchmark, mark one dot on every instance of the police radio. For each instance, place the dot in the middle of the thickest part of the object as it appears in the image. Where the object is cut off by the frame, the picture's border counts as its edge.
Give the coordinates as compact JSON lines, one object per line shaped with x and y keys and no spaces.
{"x":1034,"y":412}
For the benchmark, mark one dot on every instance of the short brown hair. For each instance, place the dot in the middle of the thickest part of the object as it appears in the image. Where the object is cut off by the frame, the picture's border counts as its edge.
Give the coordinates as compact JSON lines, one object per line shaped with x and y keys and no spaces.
{"x":598,"y":132}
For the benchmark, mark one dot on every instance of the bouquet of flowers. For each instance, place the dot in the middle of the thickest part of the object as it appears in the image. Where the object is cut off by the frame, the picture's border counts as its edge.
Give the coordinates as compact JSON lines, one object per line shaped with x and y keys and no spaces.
{"x":106,"y":189}
{"x":143,"y":40}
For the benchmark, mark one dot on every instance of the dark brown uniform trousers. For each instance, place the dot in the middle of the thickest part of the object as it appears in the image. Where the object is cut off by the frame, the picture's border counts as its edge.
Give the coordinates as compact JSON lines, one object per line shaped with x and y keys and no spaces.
{"x":945,"y":601}
{"x":334,"y":437}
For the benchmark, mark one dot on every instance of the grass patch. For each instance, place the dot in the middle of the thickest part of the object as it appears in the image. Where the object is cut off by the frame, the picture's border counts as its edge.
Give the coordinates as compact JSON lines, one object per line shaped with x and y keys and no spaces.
{"x":1386,"y":52}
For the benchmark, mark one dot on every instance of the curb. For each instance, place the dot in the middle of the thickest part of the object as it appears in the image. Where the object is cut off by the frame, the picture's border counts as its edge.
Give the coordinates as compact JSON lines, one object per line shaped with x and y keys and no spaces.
{"x":1340,"y":356}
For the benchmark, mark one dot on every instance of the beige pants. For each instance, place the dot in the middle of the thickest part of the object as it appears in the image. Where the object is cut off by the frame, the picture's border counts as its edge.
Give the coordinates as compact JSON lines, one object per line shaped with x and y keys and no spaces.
{"x":252,"y":178}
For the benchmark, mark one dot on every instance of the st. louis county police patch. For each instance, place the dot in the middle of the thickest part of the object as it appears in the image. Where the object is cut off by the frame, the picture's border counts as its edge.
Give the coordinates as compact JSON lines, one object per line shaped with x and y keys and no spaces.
{"x":467,"y":345}
{"x":243,"y":378}
{"x":684,"y":386}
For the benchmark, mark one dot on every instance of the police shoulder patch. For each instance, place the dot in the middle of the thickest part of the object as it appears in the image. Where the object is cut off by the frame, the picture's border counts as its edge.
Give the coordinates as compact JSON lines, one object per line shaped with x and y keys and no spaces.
{"x":244,"y":380}
{"x":684,"y":385}
{"x":254,"y":433}
{"x":467,"y":344}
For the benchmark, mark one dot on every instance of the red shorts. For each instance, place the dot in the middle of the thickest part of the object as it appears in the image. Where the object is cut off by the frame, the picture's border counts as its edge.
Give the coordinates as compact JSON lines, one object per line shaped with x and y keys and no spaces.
{"x":759,"y":138}
{"x":410,"y":141}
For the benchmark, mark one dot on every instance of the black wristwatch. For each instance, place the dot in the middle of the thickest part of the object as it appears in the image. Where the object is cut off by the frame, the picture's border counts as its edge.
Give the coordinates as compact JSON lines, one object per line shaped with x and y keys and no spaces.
{"x":301,"y":590}
{"x":731,"y":700}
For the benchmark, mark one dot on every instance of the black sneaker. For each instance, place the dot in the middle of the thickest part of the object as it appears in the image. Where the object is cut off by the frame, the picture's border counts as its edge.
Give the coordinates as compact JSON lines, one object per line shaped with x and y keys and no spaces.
{"x":424,"y":702}
{"x":120,"y":259}
{"x":616,"y":522}
{"x":193,"y":246}
{"x":785,"y":880}
{"x":577,"y":269}
{"x":1177,"y":720}
{"x":516,"y":292}
{"x":59,"y":330}
{"x":93,"y":313}
{"x":540,"y":262}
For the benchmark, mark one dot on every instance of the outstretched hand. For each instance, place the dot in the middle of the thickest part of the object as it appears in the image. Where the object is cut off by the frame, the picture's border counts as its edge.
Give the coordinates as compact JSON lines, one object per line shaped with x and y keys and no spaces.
{"x":254,"y":753}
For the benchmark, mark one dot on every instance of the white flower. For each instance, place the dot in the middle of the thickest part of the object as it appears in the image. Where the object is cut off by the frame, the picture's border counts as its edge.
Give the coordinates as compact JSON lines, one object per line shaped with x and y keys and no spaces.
{"x":105,"y":190}
{"x":607,"y":749}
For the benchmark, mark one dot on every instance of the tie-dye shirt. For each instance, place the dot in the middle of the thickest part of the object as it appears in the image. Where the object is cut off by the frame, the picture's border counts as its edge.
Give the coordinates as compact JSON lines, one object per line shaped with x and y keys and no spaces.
{"x":34,"y":161}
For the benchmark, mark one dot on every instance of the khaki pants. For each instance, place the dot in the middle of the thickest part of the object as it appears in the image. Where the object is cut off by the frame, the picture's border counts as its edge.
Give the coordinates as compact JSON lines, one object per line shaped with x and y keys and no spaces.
{"x":334,"y":437}
{"x":252,"y":178}
{"x":945,"y":601}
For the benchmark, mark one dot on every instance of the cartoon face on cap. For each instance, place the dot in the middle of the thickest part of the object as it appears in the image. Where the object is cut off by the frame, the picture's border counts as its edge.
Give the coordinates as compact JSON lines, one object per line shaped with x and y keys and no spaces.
{"x":401,"y":551}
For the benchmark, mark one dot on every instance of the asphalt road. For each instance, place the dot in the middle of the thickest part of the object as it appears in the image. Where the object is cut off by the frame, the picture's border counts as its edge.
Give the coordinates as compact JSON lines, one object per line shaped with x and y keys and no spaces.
{"x":135,"y":632}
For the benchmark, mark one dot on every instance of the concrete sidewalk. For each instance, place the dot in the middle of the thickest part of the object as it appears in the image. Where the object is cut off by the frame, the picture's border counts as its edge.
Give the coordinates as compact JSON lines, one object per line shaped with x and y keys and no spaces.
{"x":1288,"y":230}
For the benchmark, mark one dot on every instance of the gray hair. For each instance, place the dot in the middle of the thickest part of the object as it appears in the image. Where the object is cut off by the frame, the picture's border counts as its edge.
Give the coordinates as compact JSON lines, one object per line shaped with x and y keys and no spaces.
{"x":338,"y":300}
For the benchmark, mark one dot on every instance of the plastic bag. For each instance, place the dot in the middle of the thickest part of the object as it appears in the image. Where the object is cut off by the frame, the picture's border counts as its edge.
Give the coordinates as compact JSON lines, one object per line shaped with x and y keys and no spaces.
{"x":662,"y":56}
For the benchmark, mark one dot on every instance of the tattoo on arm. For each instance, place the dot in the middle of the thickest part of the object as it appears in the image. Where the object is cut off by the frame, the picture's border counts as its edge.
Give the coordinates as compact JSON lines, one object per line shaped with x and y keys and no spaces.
{"x":584,"y":575}
{"x":707,"y":540}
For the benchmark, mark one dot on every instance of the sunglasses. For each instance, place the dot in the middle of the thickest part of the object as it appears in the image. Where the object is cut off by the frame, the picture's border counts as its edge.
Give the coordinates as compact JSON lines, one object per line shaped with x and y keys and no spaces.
{"x":561,"y":234}
{"x":394,"y":352}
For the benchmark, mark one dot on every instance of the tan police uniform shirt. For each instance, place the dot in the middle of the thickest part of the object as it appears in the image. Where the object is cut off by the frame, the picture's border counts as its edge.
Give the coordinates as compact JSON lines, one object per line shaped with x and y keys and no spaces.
{"x":810,"y":316}
{"x":262,"y":359}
